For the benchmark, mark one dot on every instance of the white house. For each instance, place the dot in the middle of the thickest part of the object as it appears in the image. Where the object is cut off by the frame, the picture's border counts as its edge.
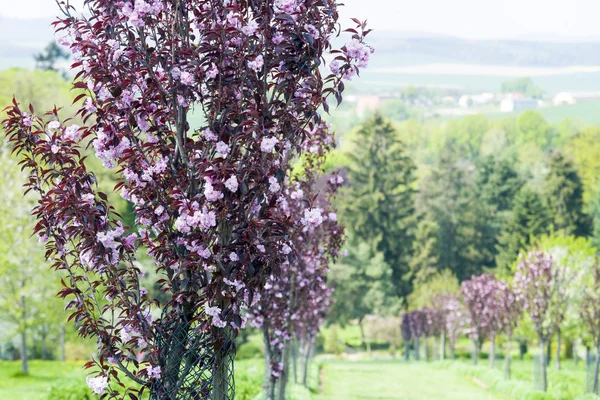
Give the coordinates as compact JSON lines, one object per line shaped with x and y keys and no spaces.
{"x":517,"y":103}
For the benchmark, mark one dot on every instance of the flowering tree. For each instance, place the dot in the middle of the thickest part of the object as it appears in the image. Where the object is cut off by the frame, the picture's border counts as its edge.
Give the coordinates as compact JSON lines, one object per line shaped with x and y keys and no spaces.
{"x":433,"y":327}
{"x":454,"y":320}
{"x":510,"y":310}
{"x":296,"y":301}
{"x":406,"y":331}
{"x":590,"y":314}
{"x":538,"y":287}
{"x":479,"y":294}
{"x":418,"y":321}
{"x":206,"y":197}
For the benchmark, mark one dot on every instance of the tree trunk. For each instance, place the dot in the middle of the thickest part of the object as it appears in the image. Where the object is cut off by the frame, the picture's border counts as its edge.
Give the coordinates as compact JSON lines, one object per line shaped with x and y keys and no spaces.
{"x":267,"y":381}
{"x":595,"y":389}
{"x":543,"y":365}
{"x":406,"y":350}
{"x":452,"y":350}
{"x":62,"y":344}
{"x":222,"y":371}
{"x":282,"y":380}
{"x":548,"y":351}
{"x":507,"y":359}
{"x":44,"y":333}
{"x":427,"y":343}
{"x":442,"y":346}
{"x":492,"y":357}
{"x":24,"y":364}
{"x":295,"y":359}
{"x":417,"y":348}
{"x":369,"y":348}
{"x":306,"y":359}
{"x":393,"y":350}
{"x":475,"y":352}
{"x":558,"y":337}
{"x":436,"y":348}
{"x":362,"y":333}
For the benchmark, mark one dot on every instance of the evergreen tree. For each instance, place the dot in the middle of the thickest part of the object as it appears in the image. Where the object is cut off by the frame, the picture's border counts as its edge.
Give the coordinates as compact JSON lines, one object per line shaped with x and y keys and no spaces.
{"x":425,"y":259}
{"x":448,"y":195}
{"x":529,"y":218}
{"x":47,"y":59}
{"x":379,"y":206}
{"x":564,"y":193}
{"x":496,"y":185}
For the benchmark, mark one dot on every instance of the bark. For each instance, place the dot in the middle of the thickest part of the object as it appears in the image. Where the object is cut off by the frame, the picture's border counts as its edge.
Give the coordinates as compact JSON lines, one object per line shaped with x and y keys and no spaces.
{"x":596,"y":366}
{"x":267,"y":381}
{"x":406,"y":350}
{"x":362,"y":333}
{"x":548,"y":351}
{"x":24,"y":364}
{"x":417,"y":348}
{"x":223,"y":370}
{"x":295,"y":359}
{"x":393,"y":350}
{"x":492,"y":358}
{"x":475,"y":352}
{"x":543,"y":365}
{"x":283,"y":378}
{"x":62,"y":344}
{"x":558,"y":337}
{"x":426,"y":343}
{"x":44,"y":334}
{"x":507,"y":359}
{"x":306,"y":359}
{"x":442,"y":346}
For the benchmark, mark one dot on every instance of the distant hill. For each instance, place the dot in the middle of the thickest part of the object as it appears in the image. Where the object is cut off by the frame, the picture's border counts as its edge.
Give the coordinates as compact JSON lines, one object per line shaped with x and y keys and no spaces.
{"x":400,"y":49}
{"x":21,"y":38}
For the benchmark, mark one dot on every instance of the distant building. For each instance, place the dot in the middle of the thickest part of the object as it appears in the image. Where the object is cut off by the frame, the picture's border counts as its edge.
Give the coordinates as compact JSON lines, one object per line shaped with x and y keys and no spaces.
{"x":516,"y":103}
{"x":367,"y":103}
{"x":563,"y":98}
{"x":574,"y":97}
{"x":468,"y":101}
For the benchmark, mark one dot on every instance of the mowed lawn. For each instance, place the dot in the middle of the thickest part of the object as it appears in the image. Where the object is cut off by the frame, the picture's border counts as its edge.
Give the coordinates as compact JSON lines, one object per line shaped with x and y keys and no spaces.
{"x":386,"y":380}
{"x":42,"y":374}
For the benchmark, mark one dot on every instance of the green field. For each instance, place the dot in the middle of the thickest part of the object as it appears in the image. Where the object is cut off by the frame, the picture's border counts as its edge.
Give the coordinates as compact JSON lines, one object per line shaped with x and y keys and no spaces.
{"x":386,"y":380}
{"x":46,"y":375}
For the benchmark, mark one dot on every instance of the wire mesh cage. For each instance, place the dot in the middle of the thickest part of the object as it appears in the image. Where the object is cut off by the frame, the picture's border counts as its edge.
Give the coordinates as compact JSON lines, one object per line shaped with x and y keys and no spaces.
{"x":590,"y":372}
{"x":196,"y":364}
{"x":538,"y":381}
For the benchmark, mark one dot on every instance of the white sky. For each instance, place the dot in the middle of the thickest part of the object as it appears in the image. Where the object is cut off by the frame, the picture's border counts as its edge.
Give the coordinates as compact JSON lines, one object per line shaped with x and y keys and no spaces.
{"x":477,"y":19}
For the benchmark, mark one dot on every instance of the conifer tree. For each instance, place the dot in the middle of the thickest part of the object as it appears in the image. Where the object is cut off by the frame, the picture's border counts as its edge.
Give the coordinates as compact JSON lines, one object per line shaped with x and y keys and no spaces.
{"x":563,"y":190}
{"x":379,"y":206}
{"x":529,"y":218}
{"x":496,"y":185}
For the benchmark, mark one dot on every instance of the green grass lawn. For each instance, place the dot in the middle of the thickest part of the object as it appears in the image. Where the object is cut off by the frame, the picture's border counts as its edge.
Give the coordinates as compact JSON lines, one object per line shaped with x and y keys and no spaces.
{"x":44,"y":374}
{"x":383,"y":380}
{"x":36,"y":385}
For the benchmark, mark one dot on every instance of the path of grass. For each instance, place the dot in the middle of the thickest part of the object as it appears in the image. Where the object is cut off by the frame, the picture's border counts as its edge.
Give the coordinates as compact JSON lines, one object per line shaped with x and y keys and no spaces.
{"x":387,"y":380}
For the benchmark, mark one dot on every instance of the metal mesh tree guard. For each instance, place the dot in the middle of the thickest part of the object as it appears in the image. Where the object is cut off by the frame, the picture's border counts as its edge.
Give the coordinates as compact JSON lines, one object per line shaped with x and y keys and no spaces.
{"x":196,"y":364}
{"x":590,"y":372}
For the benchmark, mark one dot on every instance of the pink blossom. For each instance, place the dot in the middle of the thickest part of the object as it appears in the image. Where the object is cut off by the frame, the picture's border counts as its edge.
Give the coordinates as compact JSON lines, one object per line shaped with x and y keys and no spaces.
{"x":232,"y":183}
{"x":222,"y":148}
{"x":257,"y":63}
{"x":97,"y":384}
{"x":268,"y":143}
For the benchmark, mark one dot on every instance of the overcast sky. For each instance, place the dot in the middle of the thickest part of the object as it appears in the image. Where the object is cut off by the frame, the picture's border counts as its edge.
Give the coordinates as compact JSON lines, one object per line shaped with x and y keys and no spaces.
{"x":477,"y":19}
